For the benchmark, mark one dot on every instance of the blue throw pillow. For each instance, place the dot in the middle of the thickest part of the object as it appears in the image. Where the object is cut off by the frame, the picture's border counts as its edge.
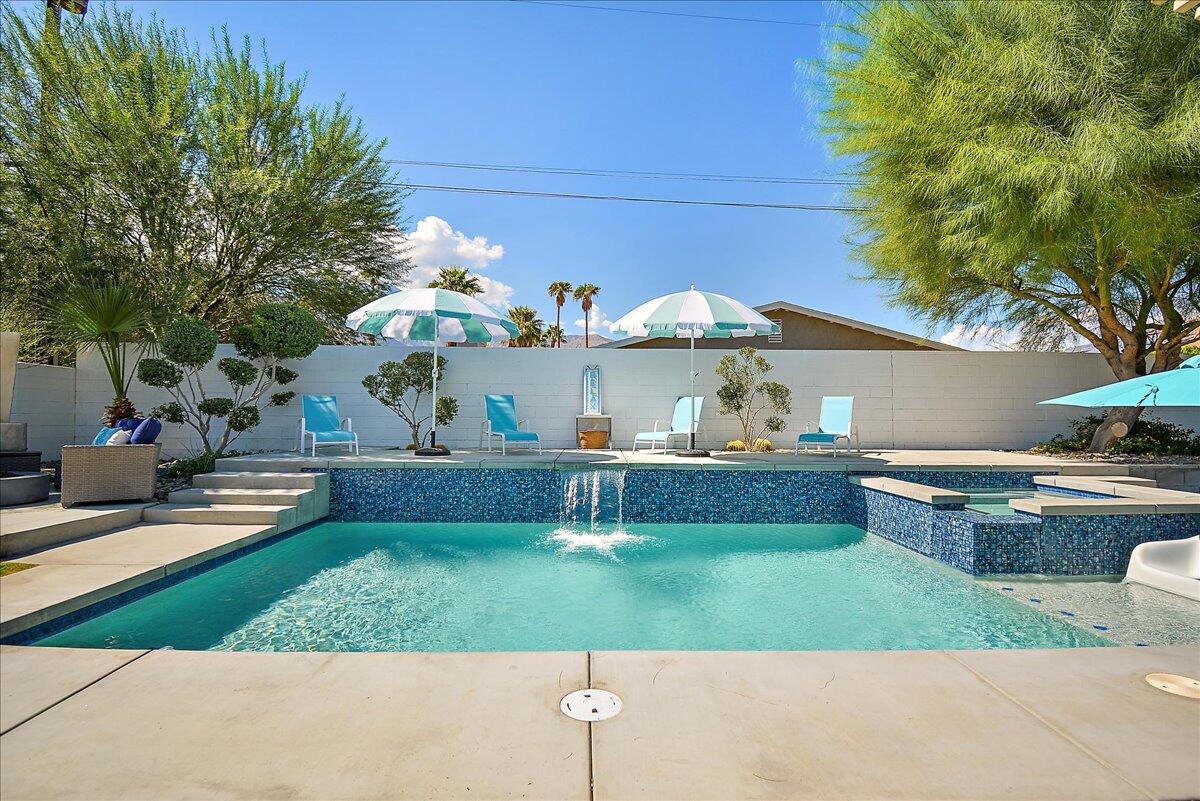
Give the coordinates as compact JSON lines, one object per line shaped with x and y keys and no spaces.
{"x":104,"y":434}
{"x":146,"y":433}
{"x":129,"y":424}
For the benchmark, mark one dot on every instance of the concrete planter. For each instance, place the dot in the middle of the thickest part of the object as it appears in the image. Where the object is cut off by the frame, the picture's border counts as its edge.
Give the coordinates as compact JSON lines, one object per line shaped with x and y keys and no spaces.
{"x":22,"y":488}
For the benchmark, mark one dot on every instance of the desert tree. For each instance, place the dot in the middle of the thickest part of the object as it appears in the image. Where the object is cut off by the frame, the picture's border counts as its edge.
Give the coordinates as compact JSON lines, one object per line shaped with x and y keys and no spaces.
{"x":1032,"y":165}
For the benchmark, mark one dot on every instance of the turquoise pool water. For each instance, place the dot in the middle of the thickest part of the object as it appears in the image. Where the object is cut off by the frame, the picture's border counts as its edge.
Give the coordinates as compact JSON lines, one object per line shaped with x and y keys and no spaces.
{"x":500,"y":587}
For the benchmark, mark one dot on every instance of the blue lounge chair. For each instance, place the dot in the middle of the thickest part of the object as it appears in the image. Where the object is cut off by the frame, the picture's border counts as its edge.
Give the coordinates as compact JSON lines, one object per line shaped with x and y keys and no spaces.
{"x":679,"y":424}
{"x":323,"y":426}
{"x":836,"y":423}
{"x":502,"y":422}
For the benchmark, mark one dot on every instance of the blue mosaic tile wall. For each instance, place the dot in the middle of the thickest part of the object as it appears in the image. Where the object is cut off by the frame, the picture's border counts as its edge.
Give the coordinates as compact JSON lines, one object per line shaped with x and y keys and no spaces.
{"x":968,"y":540}
{"x":1091,"y":544}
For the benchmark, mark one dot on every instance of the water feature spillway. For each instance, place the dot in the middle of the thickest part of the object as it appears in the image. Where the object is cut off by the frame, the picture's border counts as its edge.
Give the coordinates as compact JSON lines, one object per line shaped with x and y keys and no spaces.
{"x":592,"y":498}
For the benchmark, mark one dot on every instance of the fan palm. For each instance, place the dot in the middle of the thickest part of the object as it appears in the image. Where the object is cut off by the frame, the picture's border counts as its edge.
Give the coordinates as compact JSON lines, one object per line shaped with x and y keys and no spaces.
{"x":584,"y":294}
{"x":457,"y":279}
{"x":108,"y":317}
{"x":559,"y":291}
{"x":529,"y":327}
{"x":554,"y":336}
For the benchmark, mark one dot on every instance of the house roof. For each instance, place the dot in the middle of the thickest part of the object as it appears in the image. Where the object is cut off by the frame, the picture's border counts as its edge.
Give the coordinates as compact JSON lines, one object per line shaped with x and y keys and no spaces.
{"x":766,"y":308}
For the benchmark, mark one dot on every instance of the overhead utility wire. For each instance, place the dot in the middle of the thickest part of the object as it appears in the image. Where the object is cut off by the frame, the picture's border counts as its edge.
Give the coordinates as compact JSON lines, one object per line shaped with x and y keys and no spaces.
{"x":628,"y":199}
{"x":670,"y":13}
{"x":604,"y":173}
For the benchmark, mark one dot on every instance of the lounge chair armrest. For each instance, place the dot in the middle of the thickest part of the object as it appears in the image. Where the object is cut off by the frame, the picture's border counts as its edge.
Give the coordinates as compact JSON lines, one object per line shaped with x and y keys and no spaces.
{"x":656,"y":422}
{"x":522,"y":423}
{"x":346,"y":424}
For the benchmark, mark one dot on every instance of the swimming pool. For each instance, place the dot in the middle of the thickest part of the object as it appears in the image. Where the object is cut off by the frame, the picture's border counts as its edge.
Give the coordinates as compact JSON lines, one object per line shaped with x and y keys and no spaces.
{"x":527,"y":586}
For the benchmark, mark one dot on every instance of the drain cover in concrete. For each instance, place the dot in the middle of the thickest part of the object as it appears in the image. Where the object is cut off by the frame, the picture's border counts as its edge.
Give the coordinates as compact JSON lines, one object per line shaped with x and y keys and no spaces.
{"x":590,"y":705}
{"x":1174,"y":684}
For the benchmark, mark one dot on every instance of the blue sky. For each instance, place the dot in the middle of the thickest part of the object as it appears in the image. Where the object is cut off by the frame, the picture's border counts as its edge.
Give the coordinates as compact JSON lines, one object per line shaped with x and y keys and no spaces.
{"x":534,"y":84}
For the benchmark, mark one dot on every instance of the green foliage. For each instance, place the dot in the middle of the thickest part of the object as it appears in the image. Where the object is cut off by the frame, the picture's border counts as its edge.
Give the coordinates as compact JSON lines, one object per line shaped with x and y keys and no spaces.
{"x":280,"y":331}
{"x":198,"y":463}
{"x":745,"y":393}
{"x":1188,"y":351}
{"x":400,"y":386}
{"x":1148,"y":436}
{"x":1028,"y":164}
{"x":584,"y":293}
{"x":158,"y":373}
{"x":761,"y":445}
{"x":237,"y":372}
{"x":530,"y":329}
{"x":169,"y":413}
{"x":244,"y":417}
{"x":215,"y":407}
{"x":276,"y":331}
{"x":107,"y":317}
{"x":558,"y":291}
{"x":188,"y":342}
{"x":457,"y":279}
{"x":197,"y":176}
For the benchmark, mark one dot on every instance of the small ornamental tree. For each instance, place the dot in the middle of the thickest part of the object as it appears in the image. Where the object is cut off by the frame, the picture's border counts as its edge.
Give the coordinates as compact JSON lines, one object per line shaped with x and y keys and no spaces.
{"x":400,"y":387}
{"x":748,"y":396}
{"x":277,"y":331}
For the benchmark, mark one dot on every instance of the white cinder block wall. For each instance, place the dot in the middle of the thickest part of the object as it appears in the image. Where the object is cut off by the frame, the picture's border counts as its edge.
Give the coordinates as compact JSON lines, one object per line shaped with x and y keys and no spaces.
{"x":903,"y":399}
{"x":44,"y":399}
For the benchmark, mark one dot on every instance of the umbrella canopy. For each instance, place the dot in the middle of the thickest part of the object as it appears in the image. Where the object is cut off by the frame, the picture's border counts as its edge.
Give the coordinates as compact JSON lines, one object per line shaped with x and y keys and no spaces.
{"x":425,"y":316}
{"x":1179,"y":387}
{"x":692,"y":315}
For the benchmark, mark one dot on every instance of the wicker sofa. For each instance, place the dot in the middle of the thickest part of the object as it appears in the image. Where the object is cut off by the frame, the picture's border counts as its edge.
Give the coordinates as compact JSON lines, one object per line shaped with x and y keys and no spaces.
{"x":99,"y":473}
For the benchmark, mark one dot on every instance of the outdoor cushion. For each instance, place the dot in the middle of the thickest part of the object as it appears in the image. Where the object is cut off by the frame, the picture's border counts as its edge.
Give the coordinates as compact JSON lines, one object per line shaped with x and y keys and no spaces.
{"x":119,"y":437}
{"x":518,"y":436}
{"x":146,"y":432}
{"x":333,"y":436}
{"x":102,"y":436}
{"x":817,"y":436}
{"x":653,"y":435}
{"x":129,"y":424}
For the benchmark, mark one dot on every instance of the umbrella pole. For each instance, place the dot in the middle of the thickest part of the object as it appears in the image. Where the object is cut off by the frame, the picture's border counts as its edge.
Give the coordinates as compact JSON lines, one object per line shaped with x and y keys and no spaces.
{"x":691,"y":448}
{"x":433,"y":449}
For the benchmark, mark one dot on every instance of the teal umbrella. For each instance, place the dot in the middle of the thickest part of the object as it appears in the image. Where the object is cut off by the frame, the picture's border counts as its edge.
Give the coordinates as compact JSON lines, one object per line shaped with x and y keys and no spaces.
{"x":1179,"y":387}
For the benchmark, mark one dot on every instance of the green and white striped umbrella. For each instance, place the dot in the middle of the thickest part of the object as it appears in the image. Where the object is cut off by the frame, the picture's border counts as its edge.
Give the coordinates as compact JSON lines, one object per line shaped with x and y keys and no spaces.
{"x":694,"y":315}
{"x":425,"y":316}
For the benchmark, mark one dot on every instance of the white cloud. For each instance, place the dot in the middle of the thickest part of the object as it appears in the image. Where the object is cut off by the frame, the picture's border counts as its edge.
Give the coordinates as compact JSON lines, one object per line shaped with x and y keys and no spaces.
{"x":982,"y":337}
{"x":434,"y":244}
{"x":597,"y":320}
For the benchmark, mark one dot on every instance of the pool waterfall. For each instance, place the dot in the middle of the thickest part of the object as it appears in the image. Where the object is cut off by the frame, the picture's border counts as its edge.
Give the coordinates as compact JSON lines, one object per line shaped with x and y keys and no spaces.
{"x":592,"y":498}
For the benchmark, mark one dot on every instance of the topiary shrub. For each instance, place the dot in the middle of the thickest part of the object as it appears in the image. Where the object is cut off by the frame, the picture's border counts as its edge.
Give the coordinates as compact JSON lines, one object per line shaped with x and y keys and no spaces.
{"x":400,"y":387}
{"x":275,"y":332}
{"x":1147,"y":437}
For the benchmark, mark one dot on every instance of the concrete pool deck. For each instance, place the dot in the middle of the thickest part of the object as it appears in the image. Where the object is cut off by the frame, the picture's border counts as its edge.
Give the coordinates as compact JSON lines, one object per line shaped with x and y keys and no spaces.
{"x":1063,"y":724}
{"x":786,"y":460}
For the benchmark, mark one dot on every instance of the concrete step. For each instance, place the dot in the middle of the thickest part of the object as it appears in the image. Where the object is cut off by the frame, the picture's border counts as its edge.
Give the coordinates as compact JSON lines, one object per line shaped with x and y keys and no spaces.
{"x":244,"y":480}
{"x":283,"y":517}
{"x":43,"y":525}
{"x":234,"y":495}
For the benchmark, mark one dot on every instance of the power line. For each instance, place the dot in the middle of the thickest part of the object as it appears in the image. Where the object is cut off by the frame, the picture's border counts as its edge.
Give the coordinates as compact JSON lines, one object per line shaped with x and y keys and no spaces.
{"x":670,"y":13}
{"x":628,"y":199}
{"x":605,"y":173}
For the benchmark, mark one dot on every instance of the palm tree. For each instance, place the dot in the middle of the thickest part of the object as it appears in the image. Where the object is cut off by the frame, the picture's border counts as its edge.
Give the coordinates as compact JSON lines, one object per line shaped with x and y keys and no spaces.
{"x":108,"y":318}
{"x":560,"y":291}
{"x":457,"y":279}
{"x":554,"y":336}
{"x":584,"y":294}
{"x":529,"y":327}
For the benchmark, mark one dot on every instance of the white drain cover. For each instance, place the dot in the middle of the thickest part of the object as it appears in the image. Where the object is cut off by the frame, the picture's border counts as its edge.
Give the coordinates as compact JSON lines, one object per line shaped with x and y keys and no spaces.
{"x":1176,"y":685}
{"x":590,"y":704}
